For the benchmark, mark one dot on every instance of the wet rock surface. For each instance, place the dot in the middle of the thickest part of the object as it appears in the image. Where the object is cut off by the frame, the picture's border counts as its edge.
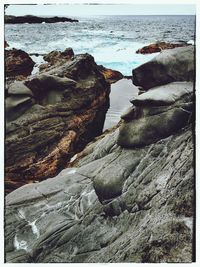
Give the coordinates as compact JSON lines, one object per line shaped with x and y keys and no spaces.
{"x":169,"y":66}
{"x":159,"y":46}
{"x":35,"y":19}
{"x":51,"y":116}
{"x":18,"y":63}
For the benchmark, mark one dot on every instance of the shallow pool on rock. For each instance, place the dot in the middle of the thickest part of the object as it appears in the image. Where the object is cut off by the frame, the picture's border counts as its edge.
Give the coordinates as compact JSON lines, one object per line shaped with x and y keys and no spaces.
{"x":121,"y":92}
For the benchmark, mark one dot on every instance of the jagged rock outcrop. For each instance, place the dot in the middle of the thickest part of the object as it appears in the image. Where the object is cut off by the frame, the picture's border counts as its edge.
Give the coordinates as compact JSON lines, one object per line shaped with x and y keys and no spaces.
{"x":169,"y":66}
{"x":57,"y":58}
{"x":34,"y":19}
{"x":51,"y":116}
{"x":115,"y":204}
{"x":159,"y":46}
{"x":18,"y":63}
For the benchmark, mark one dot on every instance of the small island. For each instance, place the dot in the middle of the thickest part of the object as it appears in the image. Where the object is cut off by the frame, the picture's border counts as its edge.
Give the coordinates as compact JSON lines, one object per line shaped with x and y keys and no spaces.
{"x":34,"y":19}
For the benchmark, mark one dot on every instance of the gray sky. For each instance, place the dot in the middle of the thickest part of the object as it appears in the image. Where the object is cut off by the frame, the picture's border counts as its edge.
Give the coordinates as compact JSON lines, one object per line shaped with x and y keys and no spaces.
{"x":87,"y":10}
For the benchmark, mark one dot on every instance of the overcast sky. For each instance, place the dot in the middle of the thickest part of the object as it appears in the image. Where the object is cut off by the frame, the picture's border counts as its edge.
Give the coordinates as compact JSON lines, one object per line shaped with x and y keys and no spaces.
{"x":88,"y":10}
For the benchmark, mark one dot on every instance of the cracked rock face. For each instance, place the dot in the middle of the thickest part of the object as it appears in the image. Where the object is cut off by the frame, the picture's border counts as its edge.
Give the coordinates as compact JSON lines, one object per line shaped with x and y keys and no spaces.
{"x":50,"y":116}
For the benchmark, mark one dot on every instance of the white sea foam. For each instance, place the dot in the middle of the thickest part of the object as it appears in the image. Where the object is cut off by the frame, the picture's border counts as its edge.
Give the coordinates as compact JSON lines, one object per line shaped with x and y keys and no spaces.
{"x":112,"y":40}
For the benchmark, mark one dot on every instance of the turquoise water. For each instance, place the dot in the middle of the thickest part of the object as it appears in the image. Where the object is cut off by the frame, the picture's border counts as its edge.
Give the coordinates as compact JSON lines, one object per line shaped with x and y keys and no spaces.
{"x":112,"y":40}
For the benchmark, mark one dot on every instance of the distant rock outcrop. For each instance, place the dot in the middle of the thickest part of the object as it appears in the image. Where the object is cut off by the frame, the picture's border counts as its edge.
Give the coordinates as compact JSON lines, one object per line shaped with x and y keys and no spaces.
{"x":158,"y":47}
{"x":34,"y":19}
{"x":51,"y":116}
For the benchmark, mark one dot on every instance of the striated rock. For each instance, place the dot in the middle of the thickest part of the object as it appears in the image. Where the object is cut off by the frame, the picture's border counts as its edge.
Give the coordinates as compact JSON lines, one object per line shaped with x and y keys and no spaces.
{"x":18,"y":63}
{"x":117,"y":205}
{"x":169,"y":66}
{"x":110,"y":75}
{"x":50,"y":117}
{"x":34,"y":19}
{"x":158,"y":47}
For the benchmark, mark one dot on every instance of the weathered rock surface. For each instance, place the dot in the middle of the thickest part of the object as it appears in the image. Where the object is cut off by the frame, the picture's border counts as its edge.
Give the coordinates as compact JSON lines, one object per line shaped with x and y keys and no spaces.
{"x":35,"y":19}
{"x":118,"y":205}
{"x":169,"y":66}
{"x":50,"y":117}
{"x":159,"y":46}
{"x":18,"y":63}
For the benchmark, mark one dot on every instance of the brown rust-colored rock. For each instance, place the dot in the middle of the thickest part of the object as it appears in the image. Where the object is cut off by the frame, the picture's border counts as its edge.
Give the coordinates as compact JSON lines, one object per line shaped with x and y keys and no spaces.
{"x":66,"y":110}
{"x":159,"y":46}
{"x":57,"y":58}
{"x":110,"y":75}
{"x":18,"y":63}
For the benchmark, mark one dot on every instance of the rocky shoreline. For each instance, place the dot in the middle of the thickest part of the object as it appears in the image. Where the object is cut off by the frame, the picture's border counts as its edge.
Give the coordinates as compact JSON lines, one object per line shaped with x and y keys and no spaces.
{"x":34,"y":19}
{"x":129,"y":195}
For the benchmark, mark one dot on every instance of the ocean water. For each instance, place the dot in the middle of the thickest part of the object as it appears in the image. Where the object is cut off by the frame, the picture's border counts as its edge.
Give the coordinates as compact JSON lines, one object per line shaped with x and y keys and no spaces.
{"x":112,"y":40}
